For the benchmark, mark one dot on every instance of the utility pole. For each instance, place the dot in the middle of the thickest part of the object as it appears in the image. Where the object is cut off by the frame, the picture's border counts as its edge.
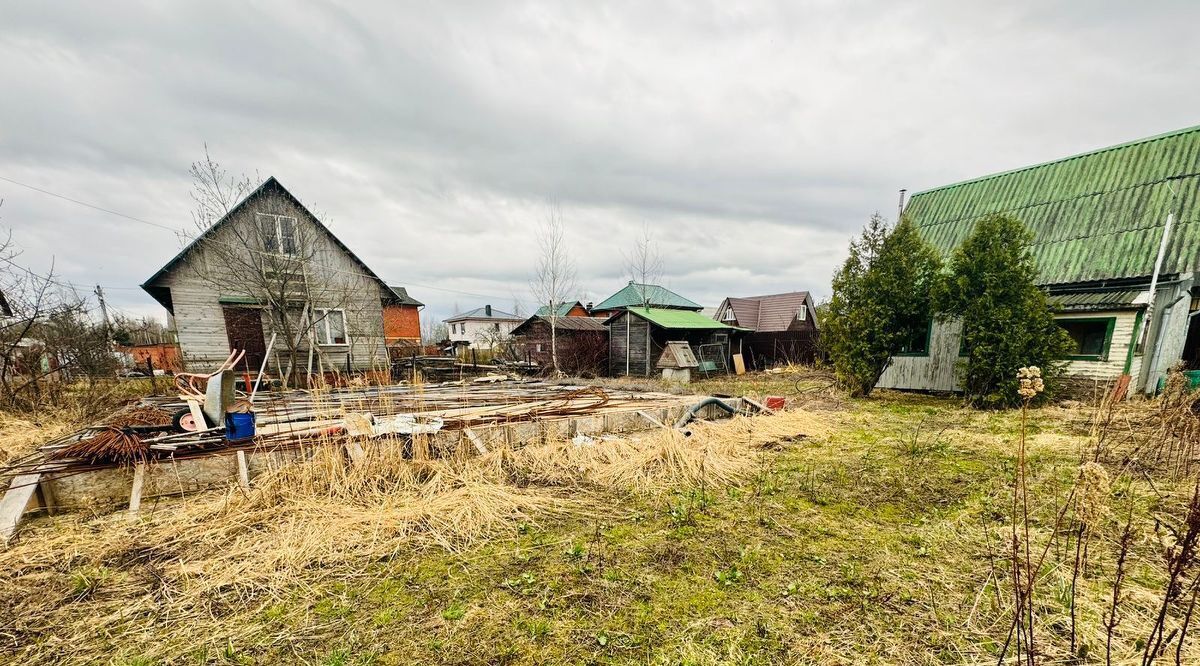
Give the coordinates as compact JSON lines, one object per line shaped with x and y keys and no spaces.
{"x":104,"y":313}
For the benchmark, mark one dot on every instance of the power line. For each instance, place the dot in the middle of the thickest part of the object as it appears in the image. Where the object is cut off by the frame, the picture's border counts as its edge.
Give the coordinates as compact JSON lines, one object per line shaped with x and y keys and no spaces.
{"x":88,"y":205}
{"x":186,"y":235}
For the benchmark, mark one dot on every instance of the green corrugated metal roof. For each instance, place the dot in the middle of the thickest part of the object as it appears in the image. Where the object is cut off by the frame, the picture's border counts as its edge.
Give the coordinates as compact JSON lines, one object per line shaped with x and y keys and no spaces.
{"x":632,"y":294}
{"x":665,"y":318}
{"x":1100,"y":300}
{"x":1095,"y":216}
{"x":564,"y":309}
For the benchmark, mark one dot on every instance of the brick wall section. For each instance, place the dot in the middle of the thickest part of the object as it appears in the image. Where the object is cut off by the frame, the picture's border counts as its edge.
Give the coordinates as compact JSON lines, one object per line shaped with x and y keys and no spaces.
{"x":401,"y":322}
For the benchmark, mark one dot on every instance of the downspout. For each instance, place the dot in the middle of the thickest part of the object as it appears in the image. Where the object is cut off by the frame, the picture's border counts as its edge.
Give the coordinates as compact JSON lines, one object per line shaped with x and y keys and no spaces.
{"x":1148,"y":319}
{"x":628,"y":351}
{"x":1158,"y":261}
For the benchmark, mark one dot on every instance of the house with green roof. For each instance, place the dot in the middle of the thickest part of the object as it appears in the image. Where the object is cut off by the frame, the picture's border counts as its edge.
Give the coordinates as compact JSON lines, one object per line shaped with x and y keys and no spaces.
{"x":638,"y":336}
{"x":636,"y":294}
{"x":1116,"y":236}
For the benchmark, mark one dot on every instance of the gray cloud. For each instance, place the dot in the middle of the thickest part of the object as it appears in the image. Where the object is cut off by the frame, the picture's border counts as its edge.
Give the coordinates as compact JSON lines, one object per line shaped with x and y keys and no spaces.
{"x":752,"y":138}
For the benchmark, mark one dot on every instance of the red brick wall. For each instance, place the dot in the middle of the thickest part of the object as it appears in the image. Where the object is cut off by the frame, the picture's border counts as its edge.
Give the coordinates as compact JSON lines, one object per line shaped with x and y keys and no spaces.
{"x":401,"y":322}
{"x":164,"y":356}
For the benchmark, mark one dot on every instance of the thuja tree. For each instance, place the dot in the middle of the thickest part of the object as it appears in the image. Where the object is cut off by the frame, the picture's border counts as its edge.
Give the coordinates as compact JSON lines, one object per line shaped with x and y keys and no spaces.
{"x":881,"y":302}
{"x":1007,"y":322}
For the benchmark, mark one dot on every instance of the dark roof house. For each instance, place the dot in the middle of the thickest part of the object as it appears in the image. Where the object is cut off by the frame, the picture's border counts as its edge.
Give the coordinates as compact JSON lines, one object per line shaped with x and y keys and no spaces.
{"x":1098,"y":221}
{"x":783,"y":327}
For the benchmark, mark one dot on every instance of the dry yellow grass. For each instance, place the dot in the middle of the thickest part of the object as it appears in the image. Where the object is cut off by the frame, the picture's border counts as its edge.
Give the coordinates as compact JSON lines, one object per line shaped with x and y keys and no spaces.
{"x":208,"y":565}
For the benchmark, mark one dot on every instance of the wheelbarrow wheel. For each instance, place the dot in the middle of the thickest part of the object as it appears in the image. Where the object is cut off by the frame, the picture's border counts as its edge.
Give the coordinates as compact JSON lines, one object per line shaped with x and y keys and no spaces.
{"x":183,"y":421}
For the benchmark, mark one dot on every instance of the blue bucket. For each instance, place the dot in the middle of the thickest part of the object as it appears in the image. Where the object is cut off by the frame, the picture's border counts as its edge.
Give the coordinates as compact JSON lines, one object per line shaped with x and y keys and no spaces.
{"x":239,"y":427}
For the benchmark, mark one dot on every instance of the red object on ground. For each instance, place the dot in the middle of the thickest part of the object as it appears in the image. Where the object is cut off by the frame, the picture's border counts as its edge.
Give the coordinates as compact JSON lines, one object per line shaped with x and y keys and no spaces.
{"x":776,"y":402}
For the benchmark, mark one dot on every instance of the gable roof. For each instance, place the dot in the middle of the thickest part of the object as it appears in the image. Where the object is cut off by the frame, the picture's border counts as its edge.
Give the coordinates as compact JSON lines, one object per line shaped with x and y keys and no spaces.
{"x":674,"y":319}
{"x":564,"y":309}
{"x":482,"y":313}
{"x":402,"y":297}
{"x":772,"y":313}
{"x":270,"y":185}
{"x":1095,"y":216}
{"x":660,"y":297}
{"x":565,"y":324}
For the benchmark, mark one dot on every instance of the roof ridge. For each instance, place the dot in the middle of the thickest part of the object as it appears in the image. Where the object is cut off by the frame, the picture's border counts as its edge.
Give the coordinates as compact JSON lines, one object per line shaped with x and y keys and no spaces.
{"x":1089,"y":153}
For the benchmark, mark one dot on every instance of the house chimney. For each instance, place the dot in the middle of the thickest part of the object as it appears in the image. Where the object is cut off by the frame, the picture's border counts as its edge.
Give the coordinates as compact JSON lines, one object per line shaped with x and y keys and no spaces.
{"x":487,"y":310}
{"x":589,"y":306}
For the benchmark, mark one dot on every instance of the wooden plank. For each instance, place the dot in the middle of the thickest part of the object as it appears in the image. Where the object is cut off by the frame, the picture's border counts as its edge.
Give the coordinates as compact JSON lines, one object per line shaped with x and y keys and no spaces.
{"x":356,"y":452}
{"x":14,"y":502}
{"x":135,"y":494}
{"x":651,"y":419}
{"x":757,"y":405}
{"x":243,"y":471}
{"x":739,"y":365}
{"x":476,"y":441}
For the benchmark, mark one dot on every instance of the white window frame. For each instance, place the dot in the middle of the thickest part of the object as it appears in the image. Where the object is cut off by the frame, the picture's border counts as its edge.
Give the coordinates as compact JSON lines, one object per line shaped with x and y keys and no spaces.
{"x":803,"y":313}
{"x":278,"y":224}
{"x":322,"y":327}
{"x":728,"y":315}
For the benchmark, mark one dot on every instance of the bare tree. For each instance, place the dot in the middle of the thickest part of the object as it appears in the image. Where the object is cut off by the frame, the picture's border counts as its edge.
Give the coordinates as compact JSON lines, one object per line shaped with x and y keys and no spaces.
{"x":277,"y":259}
{"x":644,"y":265}
{"x":554,"y":281}
{"x":47,"y":336}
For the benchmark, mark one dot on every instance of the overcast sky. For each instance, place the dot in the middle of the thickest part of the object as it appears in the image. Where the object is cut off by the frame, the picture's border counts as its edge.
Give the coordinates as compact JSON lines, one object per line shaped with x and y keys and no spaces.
{"x":751,"y":138}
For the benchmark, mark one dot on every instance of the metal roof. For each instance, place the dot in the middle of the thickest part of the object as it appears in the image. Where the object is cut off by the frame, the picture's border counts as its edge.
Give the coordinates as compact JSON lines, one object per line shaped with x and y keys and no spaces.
{"x":637,"y":294}
{"x":564,"y":309}
{"x":1100,"y":300}
{"x":1095,"y":216}
{"x":482,"y":313}
{"x":768,"y":314}
{"x":402,"y":297}
{"x":675,"y":319}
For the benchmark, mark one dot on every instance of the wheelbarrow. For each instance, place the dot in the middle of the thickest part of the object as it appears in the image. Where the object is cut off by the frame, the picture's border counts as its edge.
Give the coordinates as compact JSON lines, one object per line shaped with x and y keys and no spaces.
{"x":207,"y":396}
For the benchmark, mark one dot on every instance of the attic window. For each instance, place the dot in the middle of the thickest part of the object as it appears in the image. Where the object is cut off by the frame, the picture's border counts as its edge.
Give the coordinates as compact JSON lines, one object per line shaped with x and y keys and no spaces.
{"x":278,"y":232}
{"x":802,"y":314}
{"x":728,"y":316}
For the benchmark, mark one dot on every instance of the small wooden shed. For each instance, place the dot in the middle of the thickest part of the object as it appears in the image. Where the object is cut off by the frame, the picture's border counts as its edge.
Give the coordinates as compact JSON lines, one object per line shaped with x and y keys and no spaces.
{"x":637,"y":337}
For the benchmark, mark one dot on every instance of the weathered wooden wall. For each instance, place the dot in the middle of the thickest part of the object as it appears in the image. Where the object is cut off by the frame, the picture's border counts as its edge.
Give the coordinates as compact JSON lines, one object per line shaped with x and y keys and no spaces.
{"x":197,"y":285}
{"x":935,"y":371}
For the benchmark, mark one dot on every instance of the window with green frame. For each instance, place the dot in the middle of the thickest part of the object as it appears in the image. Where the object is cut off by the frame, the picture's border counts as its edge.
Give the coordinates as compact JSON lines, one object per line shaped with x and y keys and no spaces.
{"x":1092,"y":337}
{"x":918,"y":344}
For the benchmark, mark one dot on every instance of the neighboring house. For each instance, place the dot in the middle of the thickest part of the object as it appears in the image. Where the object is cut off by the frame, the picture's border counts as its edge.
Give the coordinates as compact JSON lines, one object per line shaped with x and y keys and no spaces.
{"x":642,"y":295}
{"x":402,"y":321}
{"x":637,"y":337}
{"x":482,"y":328}
{"x":575,"y":309}
{"x":270,"y":267}
{"x":783,"y":327}
{"x":1098,"y":220}
{"x":582,"y":343}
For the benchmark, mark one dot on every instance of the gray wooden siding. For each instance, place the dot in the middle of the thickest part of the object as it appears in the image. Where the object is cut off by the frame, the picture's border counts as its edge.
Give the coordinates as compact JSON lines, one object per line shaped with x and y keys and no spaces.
{"x":935,"y":372}
{"x":196,"y":287}
{"x":630,"y":347}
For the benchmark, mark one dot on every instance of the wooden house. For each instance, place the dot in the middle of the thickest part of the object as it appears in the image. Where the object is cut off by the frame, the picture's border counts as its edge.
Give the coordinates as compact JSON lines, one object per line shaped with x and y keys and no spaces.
{"x":783,"y":327}
{"x":1116,"y":247}
{"x":582,"y":343}
{"x":270,"y":270}
{"x":637,"y":337}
